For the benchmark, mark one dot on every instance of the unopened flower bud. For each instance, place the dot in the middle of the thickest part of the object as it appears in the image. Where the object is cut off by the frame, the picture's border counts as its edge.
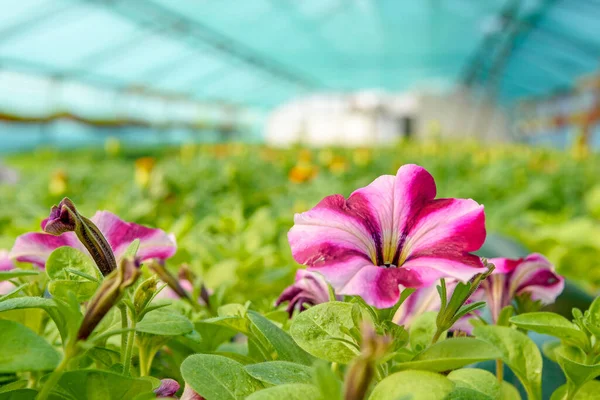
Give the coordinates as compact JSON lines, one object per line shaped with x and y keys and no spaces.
{"x":144,"y":293}
{"x":108,"y":295}
{"x":362,"y":370}
{"x":167,"y":388}
{"x":65,"y":218}
{"x":190,"y":394}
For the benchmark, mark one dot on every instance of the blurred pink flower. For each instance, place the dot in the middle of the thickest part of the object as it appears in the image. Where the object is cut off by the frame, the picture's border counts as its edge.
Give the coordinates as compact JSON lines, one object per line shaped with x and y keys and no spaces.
{"x":6,"y":264}
{"x":390,"y":235}
{"x":35,"y":247}
{"x":310,"y":288}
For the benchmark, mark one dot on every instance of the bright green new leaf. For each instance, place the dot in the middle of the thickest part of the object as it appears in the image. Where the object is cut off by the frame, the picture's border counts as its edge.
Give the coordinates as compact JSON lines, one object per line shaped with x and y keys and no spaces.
{"x":19,"y":394}
{"x":21,"y":349}
{"x":164,"y":323}
{"x":70,"y":258}
{"x":508,"y":392}
{"x":519,"y":352}
{"x":82,"y":290}
{"x":416,"y":385}
{"x":218,"y":378}
{"x":451,"y":354}
{"x":478,"y":383}
{"x":575,"y":371}
{"x":592,"y":318}
{"x":283,"y":344}
{"x":292,"y":391}
{"x":552,"y":324}
{"x":422,"y":329}
{"x":318,"y":331}
{"x":280,"y":372}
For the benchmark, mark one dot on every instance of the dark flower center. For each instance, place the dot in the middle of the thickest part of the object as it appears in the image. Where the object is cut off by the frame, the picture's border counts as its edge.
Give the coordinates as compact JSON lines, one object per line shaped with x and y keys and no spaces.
{"x":389,"y":265}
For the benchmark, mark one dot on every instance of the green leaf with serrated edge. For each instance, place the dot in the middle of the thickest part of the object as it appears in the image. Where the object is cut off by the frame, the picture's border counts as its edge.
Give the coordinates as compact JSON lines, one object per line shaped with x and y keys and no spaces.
{"x":280,"y":372}
{"x":218,"y":378}
{"x":21,"y":349}
{"x":416,"y":385}
{"x":292,"y":391}
{"x":519,"y":352}
{"x":164,"y":323}
{"x":483,"y":383}
{"x":421,"y":331}
{"x":552,"y":324}
{"x":318,"y":331}
{"x":451,"y":354}
{"x":69,"y":257}
{"x":283,"y":344}
{"x":17,"y":273}
{"x":90,"y":384}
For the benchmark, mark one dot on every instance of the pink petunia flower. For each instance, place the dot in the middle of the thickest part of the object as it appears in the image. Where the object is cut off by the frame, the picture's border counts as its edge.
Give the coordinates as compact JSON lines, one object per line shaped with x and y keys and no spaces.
{"x":533,"y":274}
{"x":390,"y":235}
{"x":310,"y":288}
{"x":6,"y":264}
{"x":35,"y":247}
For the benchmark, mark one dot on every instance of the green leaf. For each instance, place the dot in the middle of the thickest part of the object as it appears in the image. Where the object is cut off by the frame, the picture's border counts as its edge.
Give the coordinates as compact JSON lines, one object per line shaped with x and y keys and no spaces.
{"x":16,"y":273}
{"x":282,"y":343}
{"x":451,"y":354}
{"x":478,"y":383}
{"x":212,"y":335}
{"x":92,"y":384}
{"x":422,"y":329}
{"x":132,"y":249}
{"x":218,"y":378}
{"x":318,"y":330}
{"x":48,"y":305}
{"x":19,"y":394}
{"x":552,"y":324}
{"x":292,"y":391}
{"x":21,"y":349}
{"x":165,"y":323}
{"x":574,"y":370}
{"x":327,"y":381}
{"x":589,"y":391}
{"x":70,"y":258}
{"x":280,"y":372}
{"x":83,"y":290}
{"x":518,"y":352}
{"x":592,"y":318}
{"x":415,"y":385}
{"x":508,"y":392}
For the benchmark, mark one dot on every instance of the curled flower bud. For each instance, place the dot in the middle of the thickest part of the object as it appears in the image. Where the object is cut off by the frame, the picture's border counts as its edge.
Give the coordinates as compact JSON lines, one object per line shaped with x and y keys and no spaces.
{"x":65,"y":218}
{"x":167,"y":277}
{"x":144,"y":293}
{"x":167,"y":388}
{"x":108,"y":295}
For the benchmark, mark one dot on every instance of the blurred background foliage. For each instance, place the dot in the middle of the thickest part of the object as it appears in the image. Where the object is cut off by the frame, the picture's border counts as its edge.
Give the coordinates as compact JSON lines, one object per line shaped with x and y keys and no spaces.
{"x":231,"y":205}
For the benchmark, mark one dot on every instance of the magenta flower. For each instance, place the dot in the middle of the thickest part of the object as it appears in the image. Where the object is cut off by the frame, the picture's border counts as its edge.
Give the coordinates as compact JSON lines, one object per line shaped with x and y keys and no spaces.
{"x":388,"y":236}
{"x":35,"y":247}
{"x":533,"y":274}
{"x":167,"y":388}
{"x":6,"y":264}
{"x":309,"y":289}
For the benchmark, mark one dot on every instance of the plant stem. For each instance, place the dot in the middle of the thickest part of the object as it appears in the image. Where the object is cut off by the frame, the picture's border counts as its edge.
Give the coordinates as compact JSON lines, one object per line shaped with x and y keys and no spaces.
{"x":57,"y":374}
{"x":124,"y":325}
{"x":129,"y":348}
{"x":436,"y":337}
{"x":144,"y":369}
{"x":500,"y":370}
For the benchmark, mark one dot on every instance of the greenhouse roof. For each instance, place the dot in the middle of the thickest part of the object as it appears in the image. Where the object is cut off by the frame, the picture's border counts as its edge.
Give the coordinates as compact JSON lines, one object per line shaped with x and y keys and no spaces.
{"x":261,"y":53}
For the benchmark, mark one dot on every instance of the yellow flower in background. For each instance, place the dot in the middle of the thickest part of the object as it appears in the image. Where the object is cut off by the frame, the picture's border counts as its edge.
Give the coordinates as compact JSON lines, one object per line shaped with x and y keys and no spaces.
{"x":112,"y":146}
{"x":304,"y":156}
{"x":143,"y":170}
{"x":361,"y":157}
{"x":302,"y":172}
{"x":58,"y":183}
{"x":325,"y":157}
{"x":338,"y":165}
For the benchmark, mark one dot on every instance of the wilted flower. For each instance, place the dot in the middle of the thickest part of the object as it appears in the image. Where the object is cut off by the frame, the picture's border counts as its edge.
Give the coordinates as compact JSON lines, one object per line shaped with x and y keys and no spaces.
{"x":533,"y":275}
{"x":309,"y":289}
{"x":35,"y":247}
{"x":388,"y":236}
{"x":167,"y":388}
